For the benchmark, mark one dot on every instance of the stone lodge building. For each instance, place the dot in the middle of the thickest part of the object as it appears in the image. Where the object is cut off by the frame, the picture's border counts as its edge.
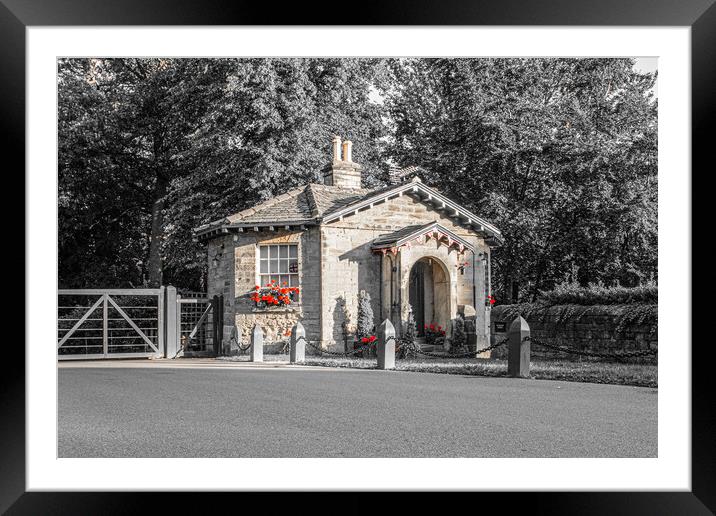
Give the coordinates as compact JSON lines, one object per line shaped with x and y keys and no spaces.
{"x":405,"y":244}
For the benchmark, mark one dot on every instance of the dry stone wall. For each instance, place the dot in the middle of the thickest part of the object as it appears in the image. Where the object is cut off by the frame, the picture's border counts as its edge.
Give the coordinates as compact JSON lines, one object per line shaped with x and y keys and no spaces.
{"x":598,"y":328}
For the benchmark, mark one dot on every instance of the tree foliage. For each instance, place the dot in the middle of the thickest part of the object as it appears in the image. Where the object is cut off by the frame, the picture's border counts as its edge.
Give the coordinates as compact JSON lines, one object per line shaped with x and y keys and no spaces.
{"x":459,"y":336}
{"x":366,"y":324}
{"x":561,"y":154}
{"x":151,"y":148}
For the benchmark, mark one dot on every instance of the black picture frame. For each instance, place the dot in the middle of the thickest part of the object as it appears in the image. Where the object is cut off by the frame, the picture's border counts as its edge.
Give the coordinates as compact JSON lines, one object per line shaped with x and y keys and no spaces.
{"x":700,"y":15}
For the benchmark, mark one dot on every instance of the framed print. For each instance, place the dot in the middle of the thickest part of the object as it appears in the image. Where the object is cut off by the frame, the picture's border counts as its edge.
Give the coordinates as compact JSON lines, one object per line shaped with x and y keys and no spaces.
{"x":269,"y":238}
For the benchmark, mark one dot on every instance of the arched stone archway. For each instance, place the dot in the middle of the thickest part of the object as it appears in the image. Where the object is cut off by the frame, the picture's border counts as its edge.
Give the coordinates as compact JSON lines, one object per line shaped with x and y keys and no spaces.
{"x":429,"y":293}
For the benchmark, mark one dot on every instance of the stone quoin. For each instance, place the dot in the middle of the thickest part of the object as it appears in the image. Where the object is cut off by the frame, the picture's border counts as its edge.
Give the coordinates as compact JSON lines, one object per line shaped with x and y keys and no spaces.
{"x":405,"y":244}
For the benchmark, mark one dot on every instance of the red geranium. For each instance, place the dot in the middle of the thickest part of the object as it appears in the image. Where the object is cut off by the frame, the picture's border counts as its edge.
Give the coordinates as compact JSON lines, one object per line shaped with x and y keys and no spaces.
{"x":273,"y":295}
{"x":433,"y":333}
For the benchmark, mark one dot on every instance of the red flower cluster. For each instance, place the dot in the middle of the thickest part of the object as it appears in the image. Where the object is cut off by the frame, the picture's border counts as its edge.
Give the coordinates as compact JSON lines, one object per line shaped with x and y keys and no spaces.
{"x":491,"y":300}
{"x":369,"y":340}
{"x":433,"y":329}
{"x":273,"y":294}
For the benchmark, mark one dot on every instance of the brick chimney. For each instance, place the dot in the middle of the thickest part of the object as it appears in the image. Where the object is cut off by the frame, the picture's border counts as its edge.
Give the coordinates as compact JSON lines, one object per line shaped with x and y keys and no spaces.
{"x":342,"y":171}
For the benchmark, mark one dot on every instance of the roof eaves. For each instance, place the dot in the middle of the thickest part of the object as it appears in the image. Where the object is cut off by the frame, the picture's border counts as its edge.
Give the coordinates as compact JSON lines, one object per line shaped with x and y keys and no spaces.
{"x":205,"y":232}
{"x":422,"y":230}
{"x":210,"y":225}
{"x":277,"y":224}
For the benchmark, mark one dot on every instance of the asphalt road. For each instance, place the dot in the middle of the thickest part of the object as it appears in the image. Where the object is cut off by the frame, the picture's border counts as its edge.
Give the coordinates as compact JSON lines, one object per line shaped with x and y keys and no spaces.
{"x":321,"y":412}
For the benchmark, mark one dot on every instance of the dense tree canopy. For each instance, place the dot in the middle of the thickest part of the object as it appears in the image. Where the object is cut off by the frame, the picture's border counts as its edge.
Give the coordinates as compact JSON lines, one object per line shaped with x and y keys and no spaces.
{"x":559,"y":153}
{"x":151,"y":148}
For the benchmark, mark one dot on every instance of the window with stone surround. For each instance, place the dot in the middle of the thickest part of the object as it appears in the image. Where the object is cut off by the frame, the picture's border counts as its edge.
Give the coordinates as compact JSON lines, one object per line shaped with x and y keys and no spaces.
{"x":279,"y":262}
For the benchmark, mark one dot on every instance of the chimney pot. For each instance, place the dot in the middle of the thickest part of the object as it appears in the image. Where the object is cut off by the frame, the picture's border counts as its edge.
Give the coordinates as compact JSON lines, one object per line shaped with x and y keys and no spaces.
{"x":347,"y":151}
{"x":336,"y":148}
{"x":342,"y":173}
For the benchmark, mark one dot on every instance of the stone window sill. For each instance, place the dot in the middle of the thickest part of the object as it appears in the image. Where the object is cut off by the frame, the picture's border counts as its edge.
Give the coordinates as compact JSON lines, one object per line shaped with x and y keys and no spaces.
{"x":280,"y":310}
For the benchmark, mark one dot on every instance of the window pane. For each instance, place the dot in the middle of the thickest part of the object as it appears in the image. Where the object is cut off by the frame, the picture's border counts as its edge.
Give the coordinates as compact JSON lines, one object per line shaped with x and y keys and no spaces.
{"x":283,"y":251}
{"x":293,"y":280}
{"x":264,"y":251}
{"x":264,"y":266}
{"x":284,"y":280}
{"x":293,"y":251}
{"x":275,"y":277}
{"x":293,"y":266}
{"x":274,"y":266}
{"x":274,"y":251}
{"x":283,"y":266}
{"x":264,"y":279}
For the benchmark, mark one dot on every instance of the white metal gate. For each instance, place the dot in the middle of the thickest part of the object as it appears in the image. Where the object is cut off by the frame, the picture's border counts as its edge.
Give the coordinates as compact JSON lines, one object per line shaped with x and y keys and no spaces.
{"x":110,"y":323}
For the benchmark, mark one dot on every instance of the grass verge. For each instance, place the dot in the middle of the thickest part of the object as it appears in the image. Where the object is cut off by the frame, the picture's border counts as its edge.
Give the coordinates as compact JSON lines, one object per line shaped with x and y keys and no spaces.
{"x":641,"y":375}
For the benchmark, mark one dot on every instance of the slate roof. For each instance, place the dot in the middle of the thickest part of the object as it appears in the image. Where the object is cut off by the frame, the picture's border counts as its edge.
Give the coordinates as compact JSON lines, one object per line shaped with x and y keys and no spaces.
{"x":293,"y":205}
{"x":301,"y":205}
{"x":314,"y":203}
{"x":397,"y":236}
{"x":327,"y":199}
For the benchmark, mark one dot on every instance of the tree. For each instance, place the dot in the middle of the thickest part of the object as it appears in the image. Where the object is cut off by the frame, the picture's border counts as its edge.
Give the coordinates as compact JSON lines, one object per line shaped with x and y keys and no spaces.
{"x":124,"y":126}
{"x":271,"y":131}
{"x":409,"y":335}
{"x":411,"y":330}
{"x":559,"y":153}
{"x":365,"y":324}
{"x":101,"y":192}
{"x":459,"y":337}
{"x":151,"y":148}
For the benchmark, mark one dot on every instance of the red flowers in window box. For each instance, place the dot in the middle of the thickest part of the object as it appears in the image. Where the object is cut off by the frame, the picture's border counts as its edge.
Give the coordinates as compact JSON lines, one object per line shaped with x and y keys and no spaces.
{"x":369,"y":340}
{"x":273,"y":295}
{"x":491,"y":300}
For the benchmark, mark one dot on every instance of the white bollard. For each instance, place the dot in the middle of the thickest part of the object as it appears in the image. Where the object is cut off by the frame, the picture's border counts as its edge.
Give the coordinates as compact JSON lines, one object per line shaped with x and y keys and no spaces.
{"x":518,"y":349}
{"x":257,"y":344}
{"x":298,"y":343}
{"x":386,"y":345}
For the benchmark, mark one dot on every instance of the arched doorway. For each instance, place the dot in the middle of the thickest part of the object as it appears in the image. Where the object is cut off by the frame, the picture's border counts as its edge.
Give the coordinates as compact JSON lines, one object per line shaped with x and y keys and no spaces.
{"x":429,"y":294}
